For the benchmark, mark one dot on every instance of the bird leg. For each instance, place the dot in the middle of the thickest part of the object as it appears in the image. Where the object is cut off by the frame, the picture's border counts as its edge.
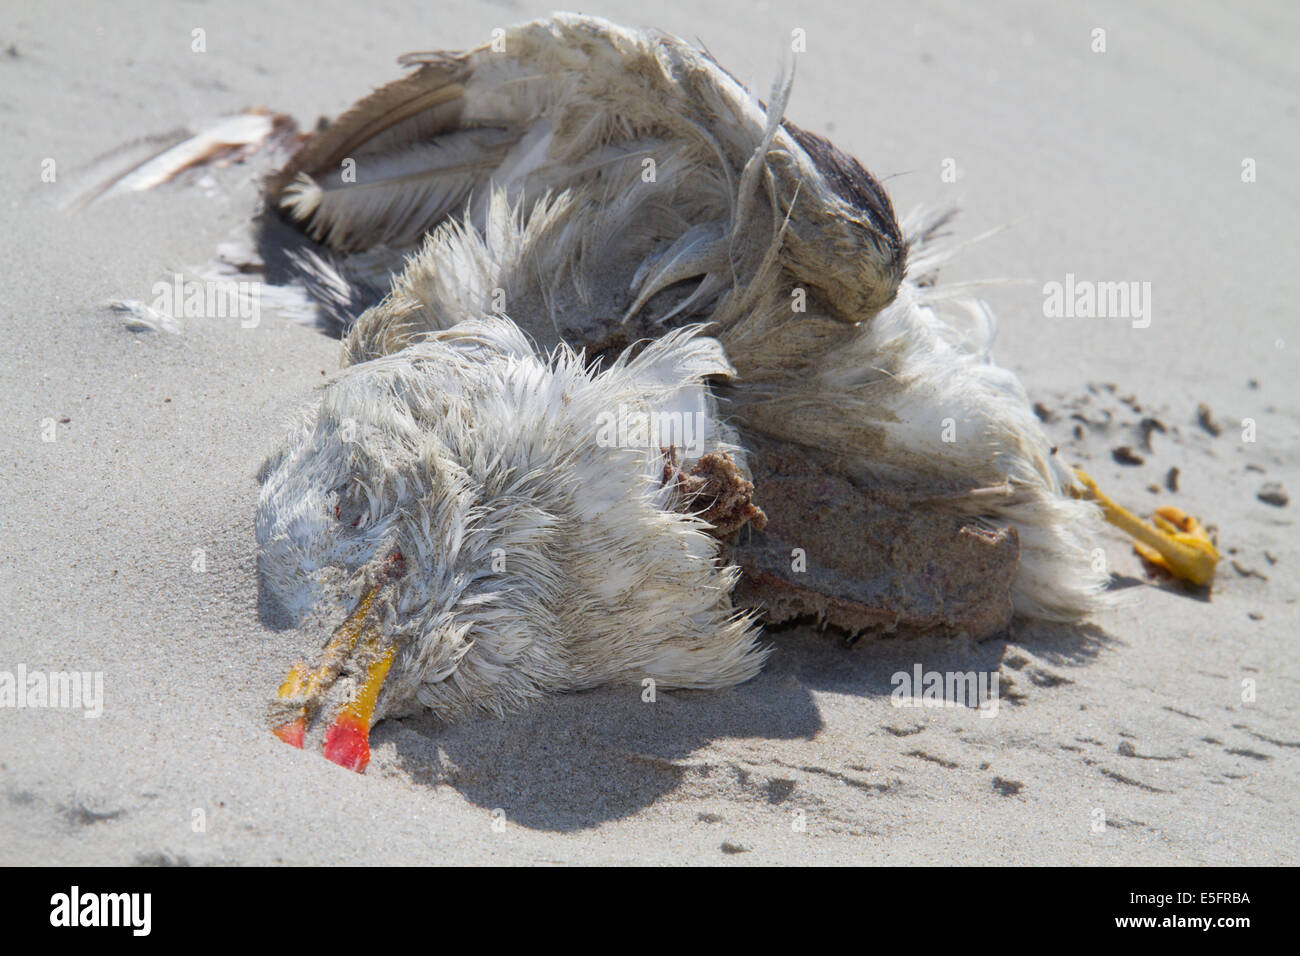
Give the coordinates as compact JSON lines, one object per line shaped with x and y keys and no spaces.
{"x":1174,"y":540}
{"x":357,"y":641}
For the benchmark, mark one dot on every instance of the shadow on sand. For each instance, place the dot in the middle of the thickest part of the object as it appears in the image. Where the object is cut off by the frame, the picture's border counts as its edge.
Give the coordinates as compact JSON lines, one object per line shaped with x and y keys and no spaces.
{"x":575,"y":761}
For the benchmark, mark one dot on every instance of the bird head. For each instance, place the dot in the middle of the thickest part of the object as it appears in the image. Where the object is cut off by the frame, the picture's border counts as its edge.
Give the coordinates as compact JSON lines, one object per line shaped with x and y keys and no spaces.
{"x":542,"y":547}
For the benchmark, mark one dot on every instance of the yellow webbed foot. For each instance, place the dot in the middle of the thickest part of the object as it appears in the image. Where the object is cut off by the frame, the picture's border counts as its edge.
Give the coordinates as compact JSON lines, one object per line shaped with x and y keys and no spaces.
{"x":1174,"y":540}
{"x":1198,"y":557}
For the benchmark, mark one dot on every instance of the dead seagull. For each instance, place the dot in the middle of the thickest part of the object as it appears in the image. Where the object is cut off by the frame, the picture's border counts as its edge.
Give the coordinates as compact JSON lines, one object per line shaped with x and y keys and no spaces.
{"x":496,"y":546}
{"x":576,"y":223}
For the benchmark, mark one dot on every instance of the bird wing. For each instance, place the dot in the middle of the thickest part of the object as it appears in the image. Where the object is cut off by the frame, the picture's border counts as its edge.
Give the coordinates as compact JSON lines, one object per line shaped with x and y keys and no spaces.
{"x":395,"y":164}
{"x":578,"y":104}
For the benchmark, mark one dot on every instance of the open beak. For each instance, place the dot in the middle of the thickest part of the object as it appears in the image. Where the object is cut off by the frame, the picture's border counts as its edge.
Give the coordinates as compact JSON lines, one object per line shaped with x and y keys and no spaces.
{"x":358,"y":647}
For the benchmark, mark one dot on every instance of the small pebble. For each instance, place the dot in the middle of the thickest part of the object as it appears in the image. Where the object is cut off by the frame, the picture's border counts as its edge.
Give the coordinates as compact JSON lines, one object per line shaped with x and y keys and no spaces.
{"x":1205,"y":418}
{"x":1149,"y":425}
{"x":1171,"y":479}
{"x":1274,"y":494}
{"x":1246,"y":572}
{"x":1126,"y":456}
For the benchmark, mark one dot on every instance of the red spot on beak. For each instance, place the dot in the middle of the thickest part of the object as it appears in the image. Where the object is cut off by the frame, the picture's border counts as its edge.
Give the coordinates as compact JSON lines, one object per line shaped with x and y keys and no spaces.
{"x":347,"y":743}
{"x":292,"y":733}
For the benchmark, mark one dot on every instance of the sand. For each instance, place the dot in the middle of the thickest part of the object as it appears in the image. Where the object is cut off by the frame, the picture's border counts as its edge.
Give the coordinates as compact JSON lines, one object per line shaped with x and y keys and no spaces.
{"x":1173,"y":718}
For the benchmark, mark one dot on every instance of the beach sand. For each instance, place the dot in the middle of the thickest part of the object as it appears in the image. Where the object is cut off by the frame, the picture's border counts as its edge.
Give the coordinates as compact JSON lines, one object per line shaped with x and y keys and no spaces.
{"x":1165,"y":731}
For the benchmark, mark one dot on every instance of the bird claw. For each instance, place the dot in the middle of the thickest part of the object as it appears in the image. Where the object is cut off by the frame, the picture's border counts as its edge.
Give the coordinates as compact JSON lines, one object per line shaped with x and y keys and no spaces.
{"x":1196,"y":556}
{"x":1174,"y":541}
